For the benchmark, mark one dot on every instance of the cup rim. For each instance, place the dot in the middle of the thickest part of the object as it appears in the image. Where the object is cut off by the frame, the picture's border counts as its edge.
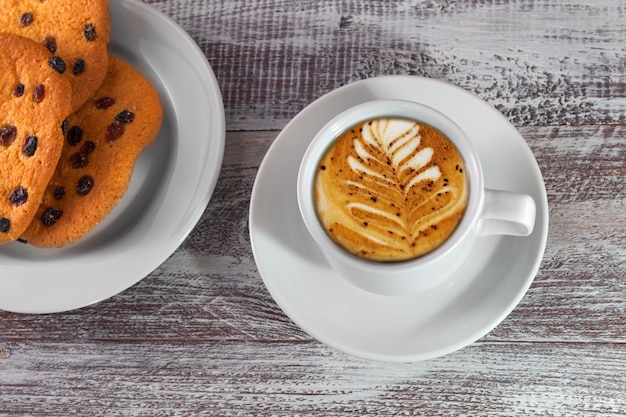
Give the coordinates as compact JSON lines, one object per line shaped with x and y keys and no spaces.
{"x":331,"y":131}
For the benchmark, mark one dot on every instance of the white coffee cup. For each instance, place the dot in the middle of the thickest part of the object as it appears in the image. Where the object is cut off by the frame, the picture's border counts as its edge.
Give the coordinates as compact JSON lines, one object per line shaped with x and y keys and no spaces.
{"x":488,"y":211}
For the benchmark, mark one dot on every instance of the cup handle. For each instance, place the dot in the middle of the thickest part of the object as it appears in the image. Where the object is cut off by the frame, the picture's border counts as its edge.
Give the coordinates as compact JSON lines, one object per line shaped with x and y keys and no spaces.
{"x":507,"y":213}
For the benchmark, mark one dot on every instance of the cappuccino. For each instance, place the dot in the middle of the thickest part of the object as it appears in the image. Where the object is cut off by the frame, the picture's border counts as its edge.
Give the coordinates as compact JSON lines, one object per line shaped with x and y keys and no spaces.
{"x":390,"y":189}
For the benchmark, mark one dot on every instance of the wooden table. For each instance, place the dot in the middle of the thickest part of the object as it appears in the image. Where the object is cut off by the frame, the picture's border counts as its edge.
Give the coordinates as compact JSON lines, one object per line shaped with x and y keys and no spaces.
{"x":202,"y":336}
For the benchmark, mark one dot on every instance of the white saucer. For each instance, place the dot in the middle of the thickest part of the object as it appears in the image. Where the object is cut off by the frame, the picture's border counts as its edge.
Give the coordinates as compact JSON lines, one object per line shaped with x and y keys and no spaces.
{"x":412,"y":327}
{"x":172,"y":183}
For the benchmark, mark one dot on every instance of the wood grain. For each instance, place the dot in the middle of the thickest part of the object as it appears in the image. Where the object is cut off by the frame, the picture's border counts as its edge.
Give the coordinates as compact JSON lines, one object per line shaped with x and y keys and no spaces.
{"x":539,"y":62}
{"x":202,"y":336}
{"x":241,"y":379}
{"x":579,"y":291}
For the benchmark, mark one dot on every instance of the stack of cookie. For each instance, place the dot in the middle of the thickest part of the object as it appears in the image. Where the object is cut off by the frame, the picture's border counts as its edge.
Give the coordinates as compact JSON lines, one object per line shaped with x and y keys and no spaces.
{"x":73,"y":120}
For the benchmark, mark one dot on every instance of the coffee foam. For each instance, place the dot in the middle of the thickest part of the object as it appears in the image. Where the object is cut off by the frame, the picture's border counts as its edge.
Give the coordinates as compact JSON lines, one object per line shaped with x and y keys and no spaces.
{"x":391,"y":189}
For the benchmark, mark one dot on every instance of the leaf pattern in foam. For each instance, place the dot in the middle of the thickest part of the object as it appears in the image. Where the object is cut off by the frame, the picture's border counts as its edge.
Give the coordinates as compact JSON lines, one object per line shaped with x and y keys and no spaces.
{"x":402,"y":193}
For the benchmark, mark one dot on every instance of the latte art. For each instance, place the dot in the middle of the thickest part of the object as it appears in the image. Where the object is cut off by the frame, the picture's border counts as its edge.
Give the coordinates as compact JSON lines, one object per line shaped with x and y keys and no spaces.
{"x":391,"y":189}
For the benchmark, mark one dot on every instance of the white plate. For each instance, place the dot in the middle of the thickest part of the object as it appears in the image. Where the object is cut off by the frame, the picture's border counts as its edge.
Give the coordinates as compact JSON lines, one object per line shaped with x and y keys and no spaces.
{"x":413,"y":327}
{"x":170,"y":188}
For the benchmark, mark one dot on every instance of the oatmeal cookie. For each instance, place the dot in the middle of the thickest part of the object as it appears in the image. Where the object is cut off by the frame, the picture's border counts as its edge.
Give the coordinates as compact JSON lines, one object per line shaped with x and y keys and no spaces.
{"x":34,"y":102}
{"x":104,"y":139}
{"x":75,"y":32}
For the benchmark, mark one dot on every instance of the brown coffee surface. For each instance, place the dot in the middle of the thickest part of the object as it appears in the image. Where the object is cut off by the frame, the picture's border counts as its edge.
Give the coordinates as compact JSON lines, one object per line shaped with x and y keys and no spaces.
{"x":391,"y":189}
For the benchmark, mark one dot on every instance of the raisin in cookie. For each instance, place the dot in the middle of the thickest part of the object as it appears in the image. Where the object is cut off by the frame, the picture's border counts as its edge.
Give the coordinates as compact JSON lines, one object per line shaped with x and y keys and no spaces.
{"x":103,"y":140}
{"x":34,"y":101}
{"x":75,"y":32}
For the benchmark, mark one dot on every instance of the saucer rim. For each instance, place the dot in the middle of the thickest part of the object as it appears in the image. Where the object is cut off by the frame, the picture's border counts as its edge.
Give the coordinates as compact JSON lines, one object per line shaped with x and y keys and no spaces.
{"x":284,"y":304}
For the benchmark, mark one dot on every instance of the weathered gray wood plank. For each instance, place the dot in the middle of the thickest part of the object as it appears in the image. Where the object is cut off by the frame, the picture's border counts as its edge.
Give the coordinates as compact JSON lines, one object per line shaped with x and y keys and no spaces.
{"x":539,"y":62}
{"x":256,"y":379}
{"x":579,"y":293}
